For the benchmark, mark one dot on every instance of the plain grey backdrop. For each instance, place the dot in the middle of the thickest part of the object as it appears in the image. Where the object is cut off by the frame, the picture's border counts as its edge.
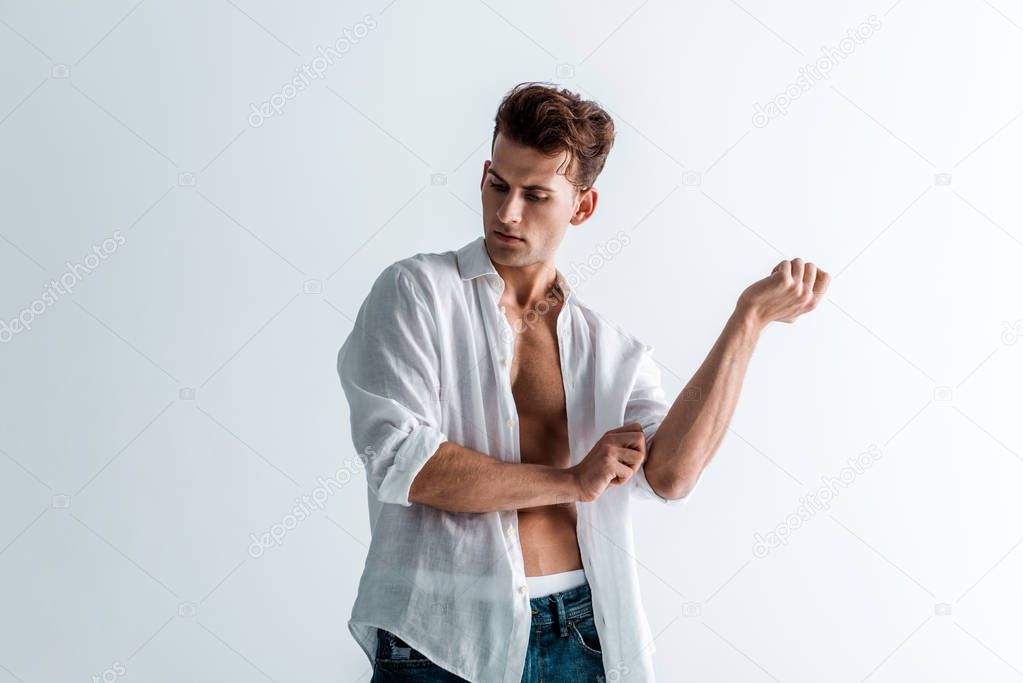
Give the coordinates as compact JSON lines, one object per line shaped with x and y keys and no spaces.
{"x":186,"y":235}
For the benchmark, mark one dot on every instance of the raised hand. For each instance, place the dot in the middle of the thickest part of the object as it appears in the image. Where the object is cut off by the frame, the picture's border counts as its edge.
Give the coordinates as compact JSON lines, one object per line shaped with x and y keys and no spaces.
{"x":792,"y":289}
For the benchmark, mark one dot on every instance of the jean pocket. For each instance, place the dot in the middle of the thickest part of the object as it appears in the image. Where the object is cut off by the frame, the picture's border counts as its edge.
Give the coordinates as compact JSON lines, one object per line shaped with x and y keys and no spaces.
{"x":584,"y":633}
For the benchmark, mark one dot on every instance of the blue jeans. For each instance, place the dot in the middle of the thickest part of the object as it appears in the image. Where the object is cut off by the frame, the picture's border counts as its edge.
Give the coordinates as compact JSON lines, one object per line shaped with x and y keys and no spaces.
{"x":563,"y":647}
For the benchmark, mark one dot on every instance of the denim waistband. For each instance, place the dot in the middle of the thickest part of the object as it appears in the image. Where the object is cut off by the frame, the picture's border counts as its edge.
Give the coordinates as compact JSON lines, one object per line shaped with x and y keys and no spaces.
{"x":574,"y":603}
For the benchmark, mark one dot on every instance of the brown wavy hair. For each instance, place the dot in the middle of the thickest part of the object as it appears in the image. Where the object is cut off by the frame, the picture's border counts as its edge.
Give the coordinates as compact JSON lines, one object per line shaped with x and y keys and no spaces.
{"x":552,"y":120}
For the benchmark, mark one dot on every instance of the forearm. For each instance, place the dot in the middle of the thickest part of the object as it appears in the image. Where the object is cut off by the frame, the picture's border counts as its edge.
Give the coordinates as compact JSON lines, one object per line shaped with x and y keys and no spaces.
{"x":459,"y":479}
{"x":698,"y":419}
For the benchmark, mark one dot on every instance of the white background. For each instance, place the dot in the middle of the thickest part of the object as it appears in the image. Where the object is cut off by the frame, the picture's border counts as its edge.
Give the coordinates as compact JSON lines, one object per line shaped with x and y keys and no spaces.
{"x":184,"y":394}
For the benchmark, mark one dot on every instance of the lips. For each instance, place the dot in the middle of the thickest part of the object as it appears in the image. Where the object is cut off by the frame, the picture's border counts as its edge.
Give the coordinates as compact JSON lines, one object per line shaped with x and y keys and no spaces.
{"x":507,"y":236}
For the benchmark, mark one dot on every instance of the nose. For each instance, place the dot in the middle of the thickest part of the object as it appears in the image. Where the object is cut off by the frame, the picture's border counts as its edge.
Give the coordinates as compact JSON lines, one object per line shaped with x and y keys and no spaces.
{"x":510,"y":211}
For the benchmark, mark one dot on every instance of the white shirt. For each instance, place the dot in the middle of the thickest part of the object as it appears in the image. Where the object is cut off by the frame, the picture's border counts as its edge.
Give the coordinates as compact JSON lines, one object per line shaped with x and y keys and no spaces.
{"x":428,"y":361}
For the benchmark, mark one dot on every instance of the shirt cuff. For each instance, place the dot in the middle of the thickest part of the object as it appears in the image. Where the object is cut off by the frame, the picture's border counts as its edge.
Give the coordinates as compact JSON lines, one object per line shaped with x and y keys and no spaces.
{"x":409,"y":459}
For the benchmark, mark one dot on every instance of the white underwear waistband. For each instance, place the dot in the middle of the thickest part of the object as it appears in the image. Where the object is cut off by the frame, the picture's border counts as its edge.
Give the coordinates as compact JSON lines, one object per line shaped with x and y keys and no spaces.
{"x":539,"y":586}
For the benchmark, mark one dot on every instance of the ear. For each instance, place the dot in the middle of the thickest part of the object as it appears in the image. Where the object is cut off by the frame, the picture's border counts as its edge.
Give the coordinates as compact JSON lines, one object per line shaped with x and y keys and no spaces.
{"x":486,"y":166}
{"x":587,"y":204}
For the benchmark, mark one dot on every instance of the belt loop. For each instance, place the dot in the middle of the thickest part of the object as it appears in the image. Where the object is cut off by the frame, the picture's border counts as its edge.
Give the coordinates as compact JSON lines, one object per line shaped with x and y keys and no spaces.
{"x":562,"y":618}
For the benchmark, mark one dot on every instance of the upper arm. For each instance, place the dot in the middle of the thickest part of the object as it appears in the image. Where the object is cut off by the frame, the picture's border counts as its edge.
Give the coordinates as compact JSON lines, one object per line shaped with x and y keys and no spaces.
{"x":389,"y":368}
{"x":647,"y":406}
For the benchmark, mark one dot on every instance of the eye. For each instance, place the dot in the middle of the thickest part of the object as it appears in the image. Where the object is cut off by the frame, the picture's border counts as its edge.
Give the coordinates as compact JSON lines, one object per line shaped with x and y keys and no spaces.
{"x":498,"y":187}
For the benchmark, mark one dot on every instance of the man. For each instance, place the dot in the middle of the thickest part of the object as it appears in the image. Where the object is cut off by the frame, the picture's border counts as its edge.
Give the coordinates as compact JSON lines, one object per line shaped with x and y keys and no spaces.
{"x":506,"y":428}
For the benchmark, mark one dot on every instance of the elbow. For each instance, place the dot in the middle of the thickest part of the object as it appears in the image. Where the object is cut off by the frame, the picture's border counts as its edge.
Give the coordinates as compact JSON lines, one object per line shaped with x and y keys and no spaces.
{"x":675,"y":486}
{"x":681,"y":490}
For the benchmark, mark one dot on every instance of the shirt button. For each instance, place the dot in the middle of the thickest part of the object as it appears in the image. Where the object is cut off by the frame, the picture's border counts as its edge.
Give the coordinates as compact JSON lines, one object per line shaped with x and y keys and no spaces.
{"x":510,"y":422}
{"x":504,"y":361}
{"x":523,"y":590}
{"x":495,"y":283}
{"x":510,"y":531}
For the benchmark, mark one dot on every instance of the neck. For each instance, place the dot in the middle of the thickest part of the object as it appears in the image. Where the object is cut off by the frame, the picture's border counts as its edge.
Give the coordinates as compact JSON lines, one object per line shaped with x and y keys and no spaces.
{"x":528,"y":285}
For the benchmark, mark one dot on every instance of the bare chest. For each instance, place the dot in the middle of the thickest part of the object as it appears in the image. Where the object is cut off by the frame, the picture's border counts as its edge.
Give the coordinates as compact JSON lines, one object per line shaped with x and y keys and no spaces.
{"x":538,"y":389}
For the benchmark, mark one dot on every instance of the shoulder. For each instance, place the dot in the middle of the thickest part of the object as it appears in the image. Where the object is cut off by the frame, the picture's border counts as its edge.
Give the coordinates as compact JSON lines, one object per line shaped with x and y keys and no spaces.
{"x":421,"y":273}
{"x":424,"y":271}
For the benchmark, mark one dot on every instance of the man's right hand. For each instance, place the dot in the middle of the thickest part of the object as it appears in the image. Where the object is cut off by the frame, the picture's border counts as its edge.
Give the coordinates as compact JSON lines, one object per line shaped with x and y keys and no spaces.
{"x":613,"y":460}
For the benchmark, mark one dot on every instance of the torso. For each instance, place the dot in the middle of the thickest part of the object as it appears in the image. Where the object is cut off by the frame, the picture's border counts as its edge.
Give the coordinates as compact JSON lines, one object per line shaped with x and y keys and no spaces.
{"x":547,"y":533}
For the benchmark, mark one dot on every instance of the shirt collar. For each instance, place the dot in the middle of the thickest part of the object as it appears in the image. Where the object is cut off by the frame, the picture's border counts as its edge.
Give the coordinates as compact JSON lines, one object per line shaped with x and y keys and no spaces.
{"x":474,"y":262}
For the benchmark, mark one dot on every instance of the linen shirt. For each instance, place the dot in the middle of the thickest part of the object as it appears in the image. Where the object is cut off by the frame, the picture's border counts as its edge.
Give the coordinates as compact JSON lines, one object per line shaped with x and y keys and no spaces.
{"x":428,"y":361}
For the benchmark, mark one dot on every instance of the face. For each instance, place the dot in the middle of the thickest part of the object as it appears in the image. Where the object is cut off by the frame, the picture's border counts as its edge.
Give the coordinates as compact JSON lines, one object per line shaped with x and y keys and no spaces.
{"x":525,"y":197}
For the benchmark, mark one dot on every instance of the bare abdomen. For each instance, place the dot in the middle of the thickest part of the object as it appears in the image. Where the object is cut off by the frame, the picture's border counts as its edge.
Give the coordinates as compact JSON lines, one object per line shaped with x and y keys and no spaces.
{"x":548,"y":538}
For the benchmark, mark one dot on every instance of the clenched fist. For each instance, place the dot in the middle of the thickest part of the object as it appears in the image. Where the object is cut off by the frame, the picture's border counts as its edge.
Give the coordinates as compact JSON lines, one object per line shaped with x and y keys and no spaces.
{"x":792,"y":289}
{"x":613,"y":460}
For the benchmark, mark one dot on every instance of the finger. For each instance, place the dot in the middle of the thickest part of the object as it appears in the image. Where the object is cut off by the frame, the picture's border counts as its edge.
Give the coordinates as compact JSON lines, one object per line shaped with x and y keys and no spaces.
{"x":631,"y":432}
{"x":785,"y":268}
{"x":633,"y":440}
{"x":809,"y":276}
{"x":630,"y":457}
{"x":797,"y":269}
{"x":780,"y":267}
{"x":627,"y":427}
{"x":621,"y":473}
{"x":820,"y":286}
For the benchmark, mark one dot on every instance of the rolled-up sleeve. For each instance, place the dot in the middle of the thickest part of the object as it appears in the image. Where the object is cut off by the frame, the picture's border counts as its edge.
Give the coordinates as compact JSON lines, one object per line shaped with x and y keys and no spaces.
{"x":389,"y":369}
{"x":647,"y":406}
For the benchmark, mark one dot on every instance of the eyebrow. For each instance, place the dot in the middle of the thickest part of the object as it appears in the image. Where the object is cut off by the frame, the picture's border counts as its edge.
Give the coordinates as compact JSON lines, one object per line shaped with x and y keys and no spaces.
{"x":492,"y":172}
